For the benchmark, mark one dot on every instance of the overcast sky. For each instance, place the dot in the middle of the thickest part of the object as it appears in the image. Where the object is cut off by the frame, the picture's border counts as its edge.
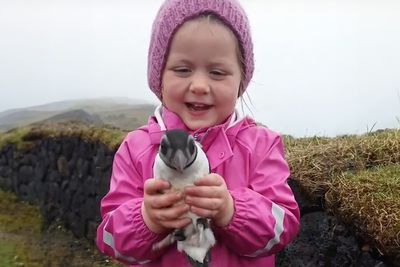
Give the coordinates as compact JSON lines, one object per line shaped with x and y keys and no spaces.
{"x":322,"y":67}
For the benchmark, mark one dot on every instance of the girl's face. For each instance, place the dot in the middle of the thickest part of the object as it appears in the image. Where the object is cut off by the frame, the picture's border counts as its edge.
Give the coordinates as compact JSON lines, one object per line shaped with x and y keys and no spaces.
{"x":202,"y":75}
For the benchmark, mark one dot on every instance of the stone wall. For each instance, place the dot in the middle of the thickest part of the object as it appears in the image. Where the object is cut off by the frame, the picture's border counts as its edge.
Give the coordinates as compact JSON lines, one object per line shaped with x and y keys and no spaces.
{"x":67,"y":177}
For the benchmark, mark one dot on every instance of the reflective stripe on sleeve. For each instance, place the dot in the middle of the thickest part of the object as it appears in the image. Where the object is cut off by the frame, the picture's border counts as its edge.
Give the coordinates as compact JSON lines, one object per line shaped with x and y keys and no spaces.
{"x":278,"y":213}
{"x":108,"y":239}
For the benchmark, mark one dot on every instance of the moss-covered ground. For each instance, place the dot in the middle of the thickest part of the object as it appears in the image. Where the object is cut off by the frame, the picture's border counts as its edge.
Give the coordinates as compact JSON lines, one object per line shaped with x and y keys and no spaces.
{"x":24,"y":243}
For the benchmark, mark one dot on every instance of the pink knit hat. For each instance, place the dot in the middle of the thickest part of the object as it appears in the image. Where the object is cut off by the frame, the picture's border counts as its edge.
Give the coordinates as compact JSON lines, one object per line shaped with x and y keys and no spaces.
{"x":173,"y":13}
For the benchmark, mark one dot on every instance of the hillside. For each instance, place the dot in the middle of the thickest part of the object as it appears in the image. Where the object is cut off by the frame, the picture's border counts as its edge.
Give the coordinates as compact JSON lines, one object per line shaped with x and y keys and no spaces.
{"x":123,"y":113}
{"x":79,"y":115}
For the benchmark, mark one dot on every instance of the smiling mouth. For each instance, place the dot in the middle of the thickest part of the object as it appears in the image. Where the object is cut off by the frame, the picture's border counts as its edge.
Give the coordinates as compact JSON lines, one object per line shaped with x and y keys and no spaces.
{"x":197,"y":106}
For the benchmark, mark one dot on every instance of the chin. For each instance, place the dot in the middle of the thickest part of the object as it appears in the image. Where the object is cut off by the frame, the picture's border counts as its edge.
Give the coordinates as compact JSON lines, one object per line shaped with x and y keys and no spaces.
{"x":197,"y":125}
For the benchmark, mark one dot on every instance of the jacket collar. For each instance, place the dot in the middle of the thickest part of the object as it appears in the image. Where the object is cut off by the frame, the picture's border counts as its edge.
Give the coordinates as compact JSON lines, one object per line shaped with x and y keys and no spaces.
{"x":217,"y":141}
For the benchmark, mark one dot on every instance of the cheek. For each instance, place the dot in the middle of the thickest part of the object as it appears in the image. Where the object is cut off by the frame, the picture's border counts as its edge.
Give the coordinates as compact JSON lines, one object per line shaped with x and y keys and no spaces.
{"x":171,"y":98}
{"x":172,"y":85}
{"x":232,"y":102}
{"x":229,"y":95}
{"x":226,"y":104}
{"x":170,"y":95}
{"x":167,"y":85}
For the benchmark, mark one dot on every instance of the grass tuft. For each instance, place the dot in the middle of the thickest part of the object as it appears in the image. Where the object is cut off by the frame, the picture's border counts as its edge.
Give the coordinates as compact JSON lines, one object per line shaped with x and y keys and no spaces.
{"x":24,"y":138}
{"x":315,"y":161}
{"x":369,"y":200}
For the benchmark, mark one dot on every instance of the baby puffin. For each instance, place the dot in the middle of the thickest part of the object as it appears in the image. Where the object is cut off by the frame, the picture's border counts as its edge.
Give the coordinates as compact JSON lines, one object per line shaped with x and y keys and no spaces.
{"x":180,"y":161}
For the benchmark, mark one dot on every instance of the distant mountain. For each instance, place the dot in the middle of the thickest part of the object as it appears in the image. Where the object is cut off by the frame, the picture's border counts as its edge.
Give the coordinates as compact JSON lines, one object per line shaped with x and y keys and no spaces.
{"x":123,"y":113}
{"x":76,"y":115}
{"x":78,"y":103}
{"x":23,"y":116}
{"x":127,"y":118}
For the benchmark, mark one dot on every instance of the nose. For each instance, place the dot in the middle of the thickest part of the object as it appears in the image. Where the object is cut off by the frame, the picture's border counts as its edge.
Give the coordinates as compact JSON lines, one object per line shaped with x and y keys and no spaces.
{"x":199,"y":84}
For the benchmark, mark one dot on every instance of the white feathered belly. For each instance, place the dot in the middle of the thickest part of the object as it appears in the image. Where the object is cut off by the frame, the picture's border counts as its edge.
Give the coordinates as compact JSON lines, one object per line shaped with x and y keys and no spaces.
{"x":200,"y":239}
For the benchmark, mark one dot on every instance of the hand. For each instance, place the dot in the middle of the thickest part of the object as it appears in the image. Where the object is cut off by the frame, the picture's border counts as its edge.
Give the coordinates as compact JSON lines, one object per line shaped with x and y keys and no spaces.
{"x":210,"y":198}
{"x":163,"y":211}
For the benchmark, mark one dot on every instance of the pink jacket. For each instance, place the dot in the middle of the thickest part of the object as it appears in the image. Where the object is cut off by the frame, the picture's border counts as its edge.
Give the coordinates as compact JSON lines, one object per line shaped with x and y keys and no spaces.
{"x":251,"y":160}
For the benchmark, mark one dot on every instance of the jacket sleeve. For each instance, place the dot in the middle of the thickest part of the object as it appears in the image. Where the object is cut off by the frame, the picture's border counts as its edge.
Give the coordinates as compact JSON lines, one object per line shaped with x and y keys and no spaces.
{"x":122,"y":234}
{"x":266,"y":216}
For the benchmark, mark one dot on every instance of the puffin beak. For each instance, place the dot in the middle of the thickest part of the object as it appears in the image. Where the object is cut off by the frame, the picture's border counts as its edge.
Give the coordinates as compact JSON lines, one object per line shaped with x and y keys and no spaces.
{"x":179,"y":160}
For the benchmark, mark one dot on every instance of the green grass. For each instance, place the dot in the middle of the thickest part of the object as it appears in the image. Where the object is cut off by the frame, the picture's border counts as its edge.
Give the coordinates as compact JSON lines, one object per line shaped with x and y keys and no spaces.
{"x":15,"y":137}
{"x":17,"y":216}
{"x":18,"y":221}
{"x":6,"y":254}
{"x":14,"y":252}
{"x":315,"y":161}
{"x":369,"y":200}
{"x":23,"y":243}
{"x":25,"y":137}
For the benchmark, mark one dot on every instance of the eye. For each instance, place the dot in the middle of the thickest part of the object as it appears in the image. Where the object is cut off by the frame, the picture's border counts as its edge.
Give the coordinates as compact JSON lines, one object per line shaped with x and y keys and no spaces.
{"x":191,"y":146}
{"x":217,"y":74}
{"x":163,"y":148}
{"x":182,"y":71}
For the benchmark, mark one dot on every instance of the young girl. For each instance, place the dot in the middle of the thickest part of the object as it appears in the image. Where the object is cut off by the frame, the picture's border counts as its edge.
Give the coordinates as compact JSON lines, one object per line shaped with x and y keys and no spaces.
{"x":200,"y":61}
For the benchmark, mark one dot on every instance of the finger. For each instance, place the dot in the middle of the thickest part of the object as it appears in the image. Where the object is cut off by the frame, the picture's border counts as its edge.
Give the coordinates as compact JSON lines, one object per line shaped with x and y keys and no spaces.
{"x":212,"y":179}
{"x":176,"y":224}
{"x":171,"y":213}
{"x":205,"y":191}
{"x":154,"y":186}
{"x":164,"y":200}
{"x":204,"y":203}
{"x":203,"y":212}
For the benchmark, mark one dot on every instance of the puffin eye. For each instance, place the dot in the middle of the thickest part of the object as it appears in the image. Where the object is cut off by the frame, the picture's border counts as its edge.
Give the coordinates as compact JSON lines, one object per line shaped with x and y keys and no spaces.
{"x":191,"y":146}
{"x":163,"y":148}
